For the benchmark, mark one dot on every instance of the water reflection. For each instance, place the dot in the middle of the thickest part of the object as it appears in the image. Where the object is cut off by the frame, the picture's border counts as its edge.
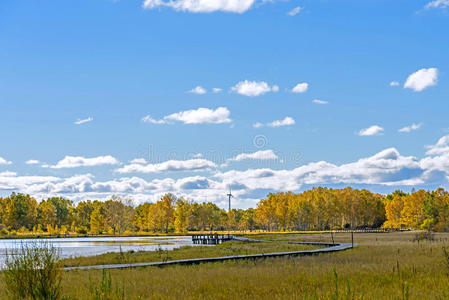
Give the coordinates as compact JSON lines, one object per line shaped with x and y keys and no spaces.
{"x":71,"y":247}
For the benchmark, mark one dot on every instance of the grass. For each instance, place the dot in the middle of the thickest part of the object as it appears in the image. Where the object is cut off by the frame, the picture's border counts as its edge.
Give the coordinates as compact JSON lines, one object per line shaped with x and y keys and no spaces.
{"x":383,"y":266}
{"x":224,"y":249}
{"x":33,"y":271}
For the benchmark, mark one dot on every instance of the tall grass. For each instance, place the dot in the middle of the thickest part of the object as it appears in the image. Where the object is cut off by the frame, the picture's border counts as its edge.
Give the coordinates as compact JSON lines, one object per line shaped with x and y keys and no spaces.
{"x":104,"y":290}
{"x":383,"y":266}
{"x":33,"y":271}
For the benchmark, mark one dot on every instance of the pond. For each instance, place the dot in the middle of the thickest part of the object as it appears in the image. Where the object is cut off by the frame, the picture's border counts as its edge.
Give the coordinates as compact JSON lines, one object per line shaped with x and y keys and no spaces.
{"x":89,"y":246}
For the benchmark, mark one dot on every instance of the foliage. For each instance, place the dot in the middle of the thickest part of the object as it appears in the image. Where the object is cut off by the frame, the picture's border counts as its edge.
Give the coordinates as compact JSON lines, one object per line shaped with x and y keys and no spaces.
{"x":314,"y":209}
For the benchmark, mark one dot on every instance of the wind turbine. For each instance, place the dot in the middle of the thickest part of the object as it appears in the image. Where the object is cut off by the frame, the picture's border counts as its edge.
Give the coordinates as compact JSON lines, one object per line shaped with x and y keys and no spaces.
{"x":230,"y":196}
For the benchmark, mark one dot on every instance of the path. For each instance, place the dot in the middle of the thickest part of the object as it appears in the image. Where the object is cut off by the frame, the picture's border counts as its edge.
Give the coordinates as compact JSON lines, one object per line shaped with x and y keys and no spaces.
{"x":330,"y":248}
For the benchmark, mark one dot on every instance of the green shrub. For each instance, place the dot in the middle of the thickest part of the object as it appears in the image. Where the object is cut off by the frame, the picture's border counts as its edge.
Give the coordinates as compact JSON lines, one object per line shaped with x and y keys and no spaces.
{"x":33,"y":271}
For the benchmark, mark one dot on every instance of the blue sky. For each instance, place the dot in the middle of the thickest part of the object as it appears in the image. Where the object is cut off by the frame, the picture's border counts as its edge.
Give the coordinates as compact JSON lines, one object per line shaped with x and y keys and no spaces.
{"x":86,"y":87}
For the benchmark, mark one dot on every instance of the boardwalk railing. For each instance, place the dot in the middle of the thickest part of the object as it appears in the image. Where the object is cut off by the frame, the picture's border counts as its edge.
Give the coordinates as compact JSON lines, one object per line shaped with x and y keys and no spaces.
{"x":211,"y":239}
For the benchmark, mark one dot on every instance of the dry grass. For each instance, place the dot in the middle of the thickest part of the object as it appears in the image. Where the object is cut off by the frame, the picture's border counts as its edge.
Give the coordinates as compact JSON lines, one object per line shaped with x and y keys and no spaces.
{"x":384,"y":266}
{"x":225,"y":249}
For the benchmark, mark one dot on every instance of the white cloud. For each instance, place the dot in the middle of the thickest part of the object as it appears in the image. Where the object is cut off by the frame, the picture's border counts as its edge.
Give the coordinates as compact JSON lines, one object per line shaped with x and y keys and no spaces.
{"x":441,"y":147}
{"x":253,"y":88}
{"x":198,"y":90}
{"x":202,"y":6}
{"x":141,"y":161}
{"x":259,"y":155}
{"x":79,"y":161}
{"x":437,"y":4}
{"x":32,"y":162}
{"x":194,"y":116}
{"x":410,"y":128}
{"x":82,"y":121}
{"x":422,"y":79}
{"x":394,"y":83}
{"x":4,"y":161}
{"x":257,"y":125}
{"x":8,"y":174}
{"x":387,"y":167}
{"x":318,"y":101}
{"x":438,"y":157}
{"x":169,"y":166}
{"x":300,"y":87}
{"x":295,"y":11}
{"x":287,"y":121}
{"x":10,"y":181}
{"x":372,"y":130}
{"x":217,"y":90}
{"x":149,"y":119}
{"x":201,"y":116}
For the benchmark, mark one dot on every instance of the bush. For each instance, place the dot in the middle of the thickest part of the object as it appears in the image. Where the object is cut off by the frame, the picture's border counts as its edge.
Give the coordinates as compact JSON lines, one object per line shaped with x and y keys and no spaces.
{"x":33,"y":271}
{"x":4,"y":231}
{"x":424,"y":236}
{"x":82,"y":230}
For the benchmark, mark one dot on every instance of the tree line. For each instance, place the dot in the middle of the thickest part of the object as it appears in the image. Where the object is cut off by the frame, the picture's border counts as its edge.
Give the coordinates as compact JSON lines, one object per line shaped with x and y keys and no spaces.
{"x":315,"y":209}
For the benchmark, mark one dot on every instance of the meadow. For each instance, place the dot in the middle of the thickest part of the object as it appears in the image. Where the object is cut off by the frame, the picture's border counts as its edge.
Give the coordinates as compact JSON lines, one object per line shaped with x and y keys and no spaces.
{"x":383,"y":266}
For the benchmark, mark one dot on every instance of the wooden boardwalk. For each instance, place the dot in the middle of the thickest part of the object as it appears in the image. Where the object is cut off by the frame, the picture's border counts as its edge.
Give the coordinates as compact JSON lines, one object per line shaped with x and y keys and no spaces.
{"x":330,"y":247}
{"x":211,"y":239}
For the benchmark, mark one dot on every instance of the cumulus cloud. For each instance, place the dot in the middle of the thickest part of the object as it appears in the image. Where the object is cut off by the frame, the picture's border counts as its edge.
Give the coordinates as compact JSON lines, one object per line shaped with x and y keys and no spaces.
{"x":437,"y":4}
{"x":258,"y":155}
{"x":4,"y":161}
{"x":194,"y":116}
{"x":253,"y":88}
{"x":422,"y":79}
{"x":387,"y":167}
{"x":149,"y":119}
{"x":201,"y":115}
{"x":410,"y":128}
{"x":82,"y":121}
{"x":202,"y":6}
{"x":79,"y":161}
{"x":295,"y":11}
{"x":441,"y":147}
{"x":300,"y":87}
{"x":169,"y":166}
{"x":141,"y":161}
{"x":32,"y":162}
{"x":394,"y":83}
{"x":11,"y":181}
{"x":257,"y":125}
{"x":198,"y":90}
{"x":217,"y":90}
{"x":318,"y":101}
{"x":287,"y":121}
{"x":372,"y":130}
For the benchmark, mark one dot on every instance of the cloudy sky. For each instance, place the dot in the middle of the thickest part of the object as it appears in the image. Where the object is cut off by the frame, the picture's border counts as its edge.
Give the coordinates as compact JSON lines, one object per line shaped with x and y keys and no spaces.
{"x":140,"y":98}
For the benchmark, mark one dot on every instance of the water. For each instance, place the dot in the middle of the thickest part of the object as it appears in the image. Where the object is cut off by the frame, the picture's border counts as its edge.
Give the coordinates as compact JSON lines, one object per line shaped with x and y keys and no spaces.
{"x":89,"y":246}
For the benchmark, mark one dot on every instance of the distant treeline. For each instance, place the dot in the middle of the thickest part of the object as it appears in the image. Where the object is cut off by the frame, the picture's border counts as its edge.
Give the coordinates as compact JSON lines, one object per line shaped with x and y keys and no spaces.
{"x":315,"y":209}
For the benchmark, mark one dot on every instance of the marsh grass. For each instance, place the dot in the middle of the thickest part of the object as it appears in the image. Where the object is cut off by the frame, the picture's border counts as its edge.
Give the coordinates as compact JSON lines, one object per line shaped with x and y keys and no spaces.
{"x":33,"y":271}
{"x":224,"y":249}
{"x":104,"y":289}
{"x":383,"y":266}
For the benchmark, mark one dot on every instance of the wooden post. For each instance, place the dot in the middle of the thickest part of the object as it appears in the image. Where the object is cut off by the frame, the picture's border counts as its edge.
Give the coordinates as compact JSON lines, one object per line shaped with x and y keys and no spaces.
{"x":352,"y":238}
{"x":332,"y":235}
